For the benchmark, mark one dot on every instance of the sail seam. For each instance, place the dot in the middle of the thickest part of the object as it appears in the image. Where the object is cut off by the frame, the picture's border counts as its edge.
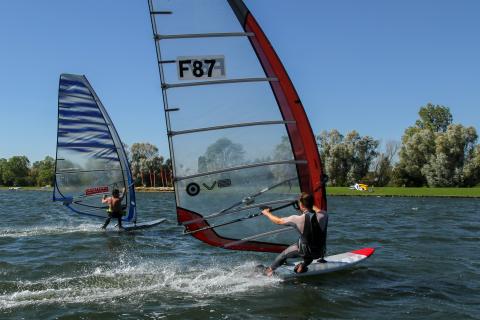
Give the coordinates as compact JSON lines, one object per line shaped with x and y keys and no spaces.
{"x":235,"y":125}
{"x":203,"y":35}
{"x":201,"y":83}
{"x":228,"y":212}
{"x":260,"y":164}
{"x":81,"y":171}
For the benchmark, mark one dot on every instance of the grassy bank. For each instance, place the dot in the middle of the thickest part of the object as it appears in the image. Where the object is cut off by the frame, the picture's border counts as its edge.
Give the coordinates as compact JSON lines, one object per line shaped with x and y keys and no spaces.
{"x":345,"y":191}
{"x":407,"y":192}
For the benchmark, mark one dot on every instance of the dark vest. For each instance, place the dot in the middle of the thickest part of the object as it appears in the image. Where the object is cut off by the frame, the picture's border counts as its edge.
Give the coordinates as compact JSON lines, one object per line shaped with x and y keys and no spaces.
{"x":115,"y":206}
{"x":313,"y":241}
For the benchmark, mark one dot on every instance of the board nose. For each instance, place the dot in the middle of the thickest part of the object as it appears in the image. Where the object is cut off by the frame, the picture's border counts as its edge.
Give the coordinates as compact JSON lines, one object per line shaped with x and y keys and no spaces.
{"x":365,"y":251}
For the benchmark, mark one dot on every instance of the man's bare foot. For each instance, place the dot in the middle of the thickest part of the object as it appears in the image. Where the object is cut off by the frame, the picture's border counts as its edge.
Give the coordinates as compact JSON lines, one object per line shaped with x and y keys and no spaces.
{"x":268,"y":272}
{"x":299,"y":268}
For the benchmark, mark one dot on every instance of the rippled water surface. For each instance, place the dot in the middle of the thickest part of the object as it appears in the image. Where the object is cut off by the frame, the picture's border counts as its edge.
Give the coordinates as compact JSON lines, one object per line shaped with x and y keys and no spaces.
{"x":57,"y":265}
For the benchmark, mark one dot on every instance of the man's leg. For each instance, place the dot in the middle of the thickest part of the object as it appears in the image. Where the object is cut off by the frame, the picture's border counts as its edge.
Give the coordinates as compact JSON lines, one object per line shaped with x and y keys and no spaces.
{"x":106,"y":223}
{"x":307,"y":261}
{"x":290,"y":252}
{"x":119,"y":221}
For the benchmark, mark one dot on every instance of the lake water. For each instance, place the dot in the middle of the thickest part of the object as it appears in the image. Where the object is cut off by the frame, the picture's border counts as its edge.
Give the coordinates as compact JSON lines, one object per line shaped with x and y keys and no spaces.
{"x":57,"y":265}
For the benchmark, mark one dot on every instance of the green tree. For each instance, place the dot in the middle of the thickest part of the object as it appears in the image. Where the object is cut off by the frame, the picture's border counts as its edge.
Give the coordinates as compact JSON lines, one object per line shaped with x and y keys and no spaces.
{"x":336,"y":160}
{"x":142,"y":155}
{"x":155,"y":166}
{"x":16,"y":171}
{"x":436,"y":118}
{"x":436,"y":152}
{"x":364,"y":151}
{"x":282,"y":151}
{"x":418,"y":145}
{"x":472,"y":168}
{"x":222,"y":154}
{"x":346,"y":159}
{"x":450,"y":164}
{"x":383,"y":164}
{"x":42,"y":172}
{"x":168,"y":172}
{"x":3,"y":164}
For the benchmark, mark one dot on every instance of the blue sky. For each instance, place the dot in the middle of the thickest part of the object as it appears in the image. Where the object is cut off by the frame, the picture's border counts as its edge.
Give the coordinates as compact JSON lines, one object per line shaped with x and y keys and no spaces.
{"x":364,"y":65}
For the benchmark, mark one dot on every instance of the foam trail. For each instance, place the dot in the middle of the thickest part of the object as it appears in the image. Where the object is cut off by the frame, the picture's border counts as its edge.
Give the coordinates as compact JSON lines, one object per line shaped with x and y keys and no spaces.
{"x":48,"y":230}
{"x":136,"y":281}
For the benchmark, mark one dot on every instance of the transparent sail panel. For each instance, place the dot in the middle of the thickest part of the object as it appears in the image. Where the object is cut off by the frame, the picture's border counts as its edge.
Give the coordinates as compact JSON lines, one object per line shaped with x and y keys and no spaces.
{"x":207,"y":106}
{"x":210,"y":195}
{"x":222,"y":149}
{"x":195,"y":17}
{"x":239,"y":60}
{"x":84,"y":159}
{"x":81,"y":184}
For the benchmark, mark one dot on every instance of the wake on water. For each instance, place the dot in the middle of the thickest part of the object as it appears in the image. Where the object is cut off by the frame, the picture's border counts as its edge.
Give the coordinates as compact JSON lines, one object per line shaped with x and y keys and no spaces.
{"x":49,"y":230}
{"x":129,"y":277}
{"x":136,"y":281}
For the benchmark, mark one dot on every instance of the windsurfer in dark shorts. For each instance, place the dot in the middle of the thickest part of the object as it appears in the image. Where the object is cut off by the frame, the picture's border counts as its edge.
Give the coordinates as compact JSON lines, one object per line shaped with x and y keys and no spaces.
{"x":312,"y":226}
{"x":114,"y":207}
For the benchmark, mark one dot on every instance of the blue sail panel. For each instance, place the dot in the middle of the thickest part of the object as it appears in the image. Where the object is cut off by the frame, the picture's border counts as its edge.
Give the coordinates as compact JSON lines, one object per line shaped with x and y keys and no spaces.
{"x":90,"y":160}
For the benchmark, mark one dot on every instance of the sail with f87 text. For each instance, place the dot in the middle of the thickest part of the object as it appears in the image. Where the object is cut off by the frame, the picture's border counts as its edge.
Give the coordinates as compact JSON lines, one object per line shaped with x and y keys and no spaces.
{"x":238,"y":135}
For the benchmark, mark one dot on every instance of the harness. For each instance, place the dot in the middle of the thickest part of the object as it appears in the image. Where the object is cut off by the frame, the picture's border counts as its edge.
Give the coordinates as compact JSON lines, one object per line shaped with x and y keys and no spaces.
{"x":312,"y":242}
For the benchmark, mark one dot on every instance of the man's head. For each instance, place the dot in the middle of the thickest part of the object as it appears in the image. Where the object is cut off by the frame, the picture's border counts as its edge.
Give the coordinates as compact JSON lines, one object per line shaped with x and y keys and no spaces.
{"x":305,"y":202}
{"x":115,"y":193}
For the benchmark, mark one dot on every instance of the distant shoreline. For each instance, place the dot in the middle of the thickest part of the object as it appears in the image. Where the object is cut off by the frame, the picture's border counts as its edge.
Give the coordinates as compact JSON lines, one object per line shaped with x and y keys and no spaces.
{"x":407,"y":192}
{"x":343,"y":191}
{"x":151,"y":189}
{"x":50,"y":189}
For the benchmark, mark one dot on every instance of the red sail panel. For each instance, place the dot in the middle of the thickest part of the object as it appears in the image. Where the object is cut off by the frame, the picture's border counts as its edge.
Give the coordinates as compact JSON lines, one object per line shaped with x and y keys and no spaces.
{"x":212,"y":238}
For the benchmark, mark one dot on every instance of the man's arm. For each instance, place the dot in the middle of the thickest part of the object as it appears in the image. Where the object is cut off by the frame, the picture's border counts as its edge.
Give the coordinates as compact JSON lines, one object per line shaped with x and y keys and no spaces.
{"x":271,"y":217}
{"x":123,"y":194}
{"x":105,"y":199}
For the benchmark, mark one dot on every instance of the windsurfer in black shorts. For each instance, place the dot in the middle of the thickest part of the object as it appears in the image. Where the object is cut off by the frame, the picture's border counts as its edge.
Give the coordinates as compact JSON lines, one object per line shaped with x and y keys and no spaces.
{"x":312,"y":226}
{"x":114,"y":207}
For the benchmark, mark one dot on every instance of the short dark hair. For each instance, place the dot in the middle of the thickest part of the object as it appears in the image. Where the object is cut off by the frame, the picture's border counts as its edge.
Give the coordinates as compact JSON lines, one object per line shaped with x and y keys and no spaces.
{"x":115,"y":192}
{"x":307,"y":200}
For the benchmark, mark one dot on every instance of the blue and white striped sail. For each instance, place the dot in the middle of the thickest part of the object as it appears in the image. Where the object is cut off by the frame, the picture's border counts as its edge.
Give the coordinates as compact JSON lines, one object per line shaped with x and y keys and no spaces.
{"x":90,"y":160}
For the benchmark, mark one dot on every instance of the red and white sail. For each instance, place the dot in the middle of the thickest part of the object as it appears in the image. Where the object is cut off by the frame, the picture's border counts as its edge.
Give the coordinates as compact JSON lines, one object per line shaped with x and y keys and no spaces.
{"x":238,"y":134}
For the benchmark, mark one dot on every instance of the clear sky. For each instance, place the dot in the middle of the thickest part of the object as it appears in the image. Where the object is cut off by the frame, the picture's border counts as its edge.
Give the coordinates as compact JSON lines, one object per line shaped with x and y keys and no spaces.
{"x":364,"y":65}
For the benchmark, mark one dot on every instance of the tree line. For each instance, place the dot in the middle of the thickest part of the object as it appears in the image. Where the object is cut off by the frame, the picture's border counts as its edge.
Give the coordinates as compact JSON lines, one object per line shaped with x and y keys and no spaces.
{"x":149,"y":169}
{"x":17,"y":171}
{"x":434,"y":152}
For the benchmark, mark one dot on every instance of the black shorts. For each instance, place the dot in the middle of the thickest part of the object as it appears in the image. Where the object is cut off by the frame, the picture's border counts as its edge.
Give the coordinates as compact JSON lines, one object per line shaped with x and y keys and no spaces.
{"x":115,"y":214}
